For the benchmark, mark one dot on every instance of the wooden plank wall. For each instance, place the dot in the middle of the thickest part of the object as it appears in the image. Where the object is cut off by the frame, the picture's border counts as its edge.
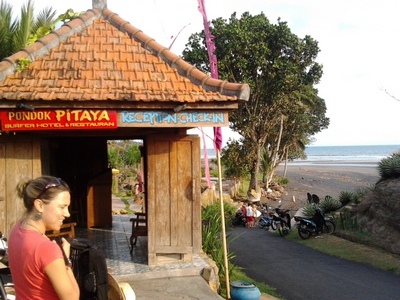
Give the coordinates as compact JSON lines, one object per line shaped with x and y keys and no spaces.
{"x":19,"y":158}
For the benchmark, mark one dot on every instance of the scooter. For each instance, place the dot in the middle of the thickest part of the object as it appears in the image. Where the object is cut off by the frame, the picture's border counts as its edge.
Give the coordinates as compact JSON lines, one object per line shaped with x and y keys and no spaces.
{"x":306,"y":226}
{"x":266,"y":219}
{"x":239,"y":219}
{"x":6,"y":285}
{"x":282,"y":219}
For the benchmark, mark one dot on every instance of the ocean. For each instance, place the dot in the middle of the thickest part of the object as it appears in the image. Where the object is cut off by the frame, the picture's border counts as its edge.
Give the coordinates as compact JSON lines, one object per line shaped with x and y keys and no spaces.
{"x":340,"y":155}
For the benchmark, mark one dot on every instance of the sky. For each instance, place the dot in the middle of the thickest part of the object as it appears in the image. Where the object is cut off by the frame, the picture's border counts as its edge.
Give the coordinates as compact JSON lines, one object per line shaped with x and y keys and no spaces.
{"x":359,"y":50}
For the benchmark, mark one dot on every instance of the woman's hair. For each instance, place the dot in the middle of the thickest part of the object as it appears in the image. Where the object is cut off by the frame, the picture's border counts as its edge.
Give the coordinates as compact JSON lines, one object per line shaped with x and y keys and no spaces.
{"x":45,"y":188}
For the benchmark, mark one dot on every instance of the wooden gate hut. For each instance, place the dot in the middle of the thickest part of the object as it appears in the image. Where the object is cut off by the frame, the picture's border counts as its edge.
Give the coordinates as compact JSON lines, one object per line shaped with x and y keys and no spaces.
{"x":98,"y":78}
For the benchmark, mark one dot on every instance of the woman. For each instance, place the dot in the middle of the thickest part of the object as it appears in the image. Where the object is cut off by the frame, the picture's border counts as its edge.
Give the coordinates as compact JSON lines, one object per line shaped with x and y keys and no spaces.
{"x":38,"y":267}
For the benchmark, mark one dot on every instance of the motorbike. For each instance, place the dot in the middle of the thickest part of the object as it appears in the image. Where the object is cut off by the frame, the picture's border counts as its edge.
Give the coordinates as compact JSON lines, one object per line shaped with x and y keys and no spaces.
{"x":282,"y":219}
{"x":239,"y":219}
{"x":266,"y":219}
{"x":306,"y":226}
{"x":6,"y":285}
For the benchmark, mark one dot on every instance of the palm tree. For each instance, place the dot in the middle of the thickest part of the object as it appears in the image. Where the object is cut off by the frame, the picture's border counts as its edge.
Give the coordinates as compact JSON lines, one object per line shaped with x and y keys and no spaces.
{"x":16,"y":33}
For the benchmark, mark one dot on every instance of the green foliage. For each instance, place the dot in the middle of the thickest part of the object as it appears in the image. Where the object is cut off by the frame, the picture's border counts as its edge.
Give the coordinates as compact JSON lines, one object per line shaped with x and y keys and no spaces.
{"x":281,"y":180}
{"x":389,"y":167}
{"x":345,"y":197}
{"x":234,"y":160}
{"x":22,"y":64}
{"x":328,"y":204}
{"x":308,"y":210}
{"x":123,"y":154}
{"x":281,"y":70}
{"x":213,"y":173}
{"x":212,"y":238}
{"x":18,"y":32}
{"x":68,"y":15}
{"x":346,"y":221}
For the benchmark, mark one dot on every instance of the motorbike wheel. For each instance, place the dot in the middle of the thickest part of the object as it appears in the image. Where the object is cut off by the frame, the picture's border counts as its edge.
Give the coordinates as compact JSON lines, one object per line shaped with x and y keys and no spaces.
{"x":329,"y":227}
{"x":273,"y":225}
{"x":281,"y":230}
{"x":304,"y":233}
{"x":261,"y":225}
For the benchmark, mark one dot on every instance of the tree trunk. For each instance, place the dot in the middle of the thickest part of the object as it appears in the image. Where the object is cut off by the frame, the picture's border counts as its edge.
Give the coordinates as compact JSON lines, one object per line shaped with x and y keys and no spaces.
{"x":286,"y":161}
{"x":254,"y":171}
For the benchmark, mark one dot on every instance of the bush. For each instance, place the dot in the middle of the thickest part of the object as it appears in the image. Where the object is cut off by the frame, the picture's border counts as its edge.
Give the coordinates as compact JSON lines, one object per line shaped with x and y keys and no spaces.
{"x":309,"y":210}
{"x":345,"y":197}
{"x":390,"y":167}
{"x":328,"y":204}
{"x":282,"y":180}
{"x":347,"y":222}
{"x":212,"y":238}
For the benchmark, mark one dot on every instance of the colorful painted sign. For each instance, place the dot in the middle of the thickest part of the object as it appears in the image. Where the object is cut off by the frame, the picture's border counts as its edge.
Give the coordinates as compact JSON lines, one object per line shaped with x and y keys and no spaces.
{"x":171,"y":119}
{"x":57,"y":119}
{"x":71,"y":119}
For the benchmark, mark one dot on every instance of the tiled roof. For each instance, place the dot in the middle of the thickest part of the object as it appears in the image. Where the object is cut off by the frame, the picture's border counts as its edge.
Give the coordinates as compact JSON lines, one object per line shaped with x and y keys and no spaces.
{"x":100,"y":57}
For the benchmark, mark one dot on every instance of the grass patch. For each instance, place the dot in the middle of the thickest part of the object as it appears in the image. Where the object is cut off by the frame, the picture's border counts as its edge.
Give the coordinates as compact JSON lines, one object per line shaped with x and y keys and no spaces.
{"x":127,"y":205}
{"x":346,"y":249}
{"x":124,"y":199}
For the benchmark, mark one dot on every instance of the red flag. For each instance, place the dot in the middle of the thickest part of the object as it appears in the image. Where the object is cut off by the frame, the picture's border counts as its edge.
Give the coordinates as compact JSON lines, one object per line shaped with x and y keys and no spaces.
{"x":213,"y":66}
{"x":217,"y":138}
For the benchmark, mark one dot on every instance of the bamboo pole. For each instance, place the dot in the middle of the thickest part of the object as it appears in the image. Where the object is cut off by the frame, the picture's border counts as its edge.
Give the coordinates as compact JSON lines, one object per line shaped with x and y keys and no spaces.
{"x":223,"y":233}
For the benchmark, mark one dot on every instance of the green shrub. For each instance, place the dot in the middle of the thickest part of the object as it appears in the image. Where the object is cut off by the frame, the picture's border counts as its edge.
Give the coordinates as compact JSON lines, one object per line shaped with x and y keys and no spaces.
{"x":282,"y":180}
{"x":345,"y":197}
{"x":212,"y":237}
{"x":309,"y":210}
{"x":213,"y":173}
{"x":328,"y":204}
{"x":390,"y":167}
{"x":346,"y":221}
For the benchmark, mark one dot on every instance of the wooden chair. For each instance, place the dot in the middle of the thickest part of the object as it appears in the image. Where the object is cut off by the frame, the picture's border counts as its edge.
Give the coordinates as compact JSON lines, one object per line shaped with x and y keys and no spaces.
{"x":67,"y":229}
{"x":139,"y":228}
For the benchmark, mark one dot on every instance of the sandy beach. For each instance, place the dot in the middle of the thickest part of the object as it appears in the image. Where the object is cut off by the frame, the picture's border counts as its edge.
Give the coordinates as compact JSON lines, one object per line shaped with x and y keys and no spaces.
{"x":321,"y":180}
{"x":325,"y":180}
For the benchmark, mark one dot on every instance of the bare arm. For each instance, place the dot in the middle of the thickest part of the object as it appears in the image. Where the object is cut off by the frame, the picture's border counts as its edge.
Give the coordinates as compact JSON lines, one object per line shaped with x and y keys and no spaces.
{"x":63,"y":280}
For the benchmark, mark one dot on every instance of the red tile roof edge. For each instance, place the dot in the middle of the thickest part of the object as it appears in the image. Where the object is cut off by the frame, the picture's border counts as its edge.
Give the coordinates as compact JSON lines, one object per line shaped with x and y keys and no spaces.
{"x":241,"y":91}
{"x":54,"y":38}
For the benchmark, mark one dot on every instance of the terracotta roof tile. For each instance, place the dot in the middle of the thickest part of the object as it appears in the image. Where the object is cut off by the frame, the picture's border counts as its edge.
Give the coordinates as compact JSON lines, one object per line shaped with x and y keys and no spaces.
{"x":100,"y":56}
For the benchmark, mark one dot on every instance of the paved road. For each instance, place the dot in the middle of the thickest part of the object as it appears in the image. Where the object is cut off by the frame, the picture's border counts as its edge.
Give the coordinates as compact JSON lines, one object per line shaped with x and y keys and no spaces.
{"x":299,"y":272}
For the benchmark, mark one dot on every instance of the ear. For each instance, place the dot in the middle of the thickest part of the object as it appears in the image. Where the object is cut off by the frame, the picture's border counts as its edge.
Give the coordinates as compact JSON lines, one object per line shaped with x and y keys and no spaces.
{"x":38,"y":204}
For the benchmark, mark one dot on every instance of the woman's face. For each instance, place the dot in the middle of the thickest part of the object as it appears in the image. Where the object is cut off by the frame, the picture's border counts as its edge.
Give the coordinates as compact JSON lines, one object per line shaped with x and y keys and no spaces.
{"x":56,"y":211}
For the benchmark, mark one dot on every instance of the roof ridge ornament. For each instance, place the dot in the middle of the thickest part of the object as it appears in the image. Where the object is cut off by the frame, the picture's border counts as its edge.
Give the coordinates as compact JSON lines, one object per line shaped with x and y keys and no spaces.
{"x":99,"y":4}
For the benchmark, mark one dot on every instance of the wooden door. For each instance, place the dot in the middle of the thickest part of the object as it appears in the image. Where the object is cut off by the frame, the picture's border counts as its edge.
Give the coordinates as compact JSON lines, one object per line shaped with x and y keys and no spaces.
{"x":173,"y":197}
{"x":19,"y":158}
